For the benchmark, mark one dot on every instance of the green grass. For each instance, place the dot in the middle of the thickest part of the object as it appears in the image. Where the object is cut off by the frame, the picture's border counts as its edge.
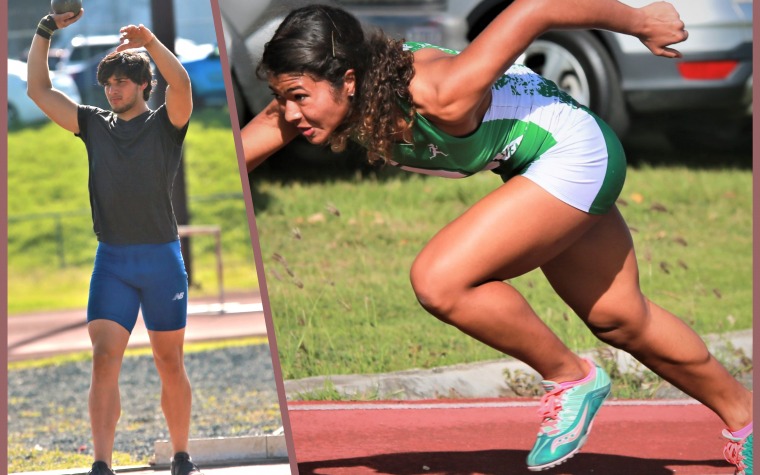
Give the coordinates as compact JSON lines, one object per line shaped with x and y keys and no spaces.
{"x":22,"y":458}
{"x":337,"y":256}
{"x":51,"y":245}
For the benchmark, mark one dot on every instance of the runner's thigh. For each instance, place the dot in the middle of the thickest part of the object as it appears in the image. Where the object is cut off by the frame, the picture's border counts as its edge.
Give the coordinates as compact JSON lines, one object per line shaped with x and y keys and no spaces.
{"x":598,"y":275}
{"x":513,"y":230}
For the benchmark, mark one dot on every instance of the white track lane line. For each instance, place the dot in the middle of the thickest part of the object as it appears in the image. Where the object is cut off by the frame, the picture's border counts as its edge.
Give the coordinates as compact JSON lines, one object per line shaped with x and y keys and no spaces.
{"x":370,"y":406}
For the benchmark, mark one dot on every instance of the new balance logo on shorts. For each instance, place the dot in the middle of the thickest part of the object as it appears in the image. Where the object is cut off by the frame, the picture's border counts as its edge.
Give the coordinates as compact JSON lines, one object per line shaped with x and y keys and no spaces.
{"x":179,"y":296}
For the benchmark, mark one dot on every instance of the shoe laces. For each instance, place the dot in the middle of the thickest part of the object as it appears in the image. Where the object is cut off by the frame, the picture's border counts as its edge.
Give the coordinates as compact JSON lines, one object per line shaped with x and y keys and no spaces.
{"x":733,"y":454}
{"x":549,"y":408}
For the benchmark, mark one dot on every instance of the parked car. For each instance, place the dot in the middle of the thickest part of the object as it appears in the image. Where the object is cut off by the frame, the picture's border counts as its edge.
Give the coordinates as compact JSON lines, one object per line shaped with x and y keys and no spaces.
{"x":21,"y":109}
{"x":703,"y":99}
{"x":55,"y":56}
{"x":206,"y":77}
{"x":83,"y":48}
{"x":706,"y":97}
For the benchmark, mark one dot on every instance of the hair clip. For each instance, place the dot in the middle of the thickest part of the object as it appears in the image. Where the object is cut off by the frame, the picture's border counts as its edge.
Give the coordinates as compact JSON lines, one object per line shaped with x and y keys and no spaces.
{"x":332,"y":36}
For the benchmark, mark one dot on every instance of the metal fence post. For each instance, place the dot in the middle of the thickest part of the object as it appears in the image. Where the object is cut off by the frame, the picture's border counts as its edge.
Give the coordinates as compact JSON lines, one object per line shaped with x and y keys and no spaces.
{"x":59,"y":240}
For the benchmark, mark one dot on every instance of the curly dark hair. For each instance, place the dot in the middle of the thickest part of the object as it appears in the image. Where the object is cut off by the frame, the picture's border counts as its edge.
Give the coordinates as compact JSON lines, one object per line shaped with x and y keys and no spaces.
{"x":325,"y":42}
{"x":131,"y":64}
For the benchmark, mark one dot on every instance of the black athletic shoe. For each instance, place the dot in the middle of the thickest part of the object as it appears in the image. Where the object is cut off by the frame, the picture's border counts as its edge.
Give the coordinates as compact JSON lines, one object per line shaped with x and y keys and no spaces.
{"x":100,"y":468}
{"x":183,"y":465}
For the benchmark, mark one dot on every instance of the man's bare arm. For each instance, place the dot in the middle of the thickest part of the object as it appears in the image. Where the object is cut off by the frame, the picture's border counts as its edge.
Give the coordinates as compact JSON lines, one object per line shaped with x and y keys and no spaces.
{"x":59,"y":107}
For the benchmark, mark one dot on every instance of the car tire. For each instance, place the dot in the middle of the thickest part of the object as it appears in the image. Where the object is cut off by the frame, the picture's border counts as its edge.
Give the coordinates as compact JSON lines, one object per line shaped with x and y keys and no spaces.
{"x":244,"y":113}
{"x":579,"y":64}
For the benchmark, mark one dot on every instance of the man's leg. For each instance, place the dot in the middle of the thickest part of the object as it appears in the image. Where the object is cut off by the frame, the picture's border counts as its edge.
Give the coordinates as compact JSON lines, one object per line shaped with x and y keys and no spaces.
{"x":164,"y":308}
{"x":109,"y":340}
{"x":176,"y":396}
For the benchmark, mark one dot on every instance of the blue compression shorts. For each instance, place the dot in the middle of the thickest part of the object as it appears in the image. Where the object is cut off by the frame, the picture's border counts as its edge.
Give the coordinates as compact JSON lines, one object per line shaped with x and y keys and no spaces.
{"x":127,"y":278}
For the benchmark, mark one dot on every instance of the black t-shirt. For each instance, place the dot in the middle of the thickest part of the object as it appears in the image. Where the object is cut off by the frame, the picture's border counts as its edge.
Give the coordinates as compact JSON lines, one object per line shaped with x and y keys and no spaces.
{"x":132,"y":168}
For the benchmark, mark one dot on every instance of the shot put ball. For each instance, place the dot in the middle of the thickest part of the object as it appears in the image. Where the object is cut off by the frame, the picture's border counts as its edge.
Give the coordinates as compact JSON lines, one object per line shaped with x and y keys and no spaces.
{"x":63,"y":6}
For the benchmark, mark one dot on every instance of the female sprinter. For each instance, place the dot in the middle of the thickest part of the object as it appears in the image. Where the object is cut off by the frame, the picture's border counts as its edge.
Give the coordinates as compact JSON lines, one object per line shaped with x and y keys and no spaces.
{"x":440,"y":112}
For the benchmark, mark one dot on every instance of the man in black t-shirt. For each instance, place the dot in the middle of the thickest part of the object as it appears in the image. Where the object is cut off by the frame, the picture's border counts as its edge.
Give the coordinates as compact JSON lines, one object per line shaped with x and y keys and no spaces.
{"x":134,"y":154}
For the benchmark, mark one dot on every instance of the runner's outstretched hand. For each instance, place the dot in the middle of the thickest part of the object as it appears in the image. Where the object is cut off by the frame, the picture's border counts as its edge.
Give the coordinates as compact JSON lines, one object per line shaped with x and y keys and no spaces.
{"x":662,"y":27}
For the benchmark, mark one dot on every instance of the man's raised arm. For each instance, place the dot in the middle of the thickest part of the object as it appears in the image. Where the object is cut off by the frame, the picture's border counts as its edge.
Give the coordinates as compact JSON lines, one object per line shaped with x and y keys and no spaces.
{"x":56,"y":105}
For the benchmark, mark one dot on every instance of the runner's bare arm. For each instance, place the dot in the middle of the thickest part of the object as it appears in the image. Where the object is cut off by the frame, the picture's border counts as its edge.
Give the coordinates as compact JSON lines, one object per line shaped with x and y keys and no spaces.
{"x":179,"y":96}
{"x":59,"y":107}
{"x":457,"y":84}
{"x":265,"y":134}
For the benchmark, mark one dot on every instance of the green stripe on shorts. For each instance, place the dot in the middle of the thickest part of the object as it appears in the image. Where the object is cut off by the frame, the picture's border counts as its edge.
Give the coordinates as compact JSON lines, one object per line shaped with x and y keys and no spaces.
{"x":614,"y":178}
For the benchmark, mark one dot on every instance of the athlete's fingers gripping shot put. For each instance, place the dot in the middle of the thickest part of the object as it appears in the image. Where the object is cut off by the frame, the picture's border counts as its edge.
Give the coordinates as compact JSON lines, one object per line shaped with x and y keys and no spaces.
{"x":452,"y":114}
{"x":133,"y":154}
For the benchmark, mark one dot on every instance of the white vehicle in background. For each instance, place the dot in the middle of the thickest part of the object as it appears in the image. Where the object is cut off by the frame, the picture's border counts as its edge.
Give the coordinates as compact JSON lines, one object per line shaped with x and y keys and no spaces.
{"x":21,"y":109}
{"x":703,"y":99}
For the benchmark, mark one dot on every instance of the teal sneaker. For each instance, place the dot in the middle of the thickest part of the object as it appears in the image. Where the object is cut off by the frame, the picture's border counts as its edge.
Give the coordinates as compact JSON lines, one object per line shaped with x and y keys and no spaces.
{"x":739,"y":452}
{"x":568,"y":409}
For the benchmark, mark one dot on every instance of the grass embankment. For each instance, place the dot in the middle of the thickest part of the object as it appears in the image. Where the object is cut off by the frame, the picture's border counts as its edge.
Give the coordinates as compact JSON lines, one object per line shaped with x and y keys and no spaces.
{"x":50,"y":258}
{"x":337,"y":256}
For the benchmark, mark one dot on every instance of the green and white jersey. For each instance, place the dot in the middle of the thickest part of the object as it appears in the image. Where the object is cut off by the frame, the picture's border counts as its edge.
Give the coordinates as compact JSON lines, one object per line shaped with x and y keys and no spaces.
{"x":532,"y":129}
{"x":527,"y":117}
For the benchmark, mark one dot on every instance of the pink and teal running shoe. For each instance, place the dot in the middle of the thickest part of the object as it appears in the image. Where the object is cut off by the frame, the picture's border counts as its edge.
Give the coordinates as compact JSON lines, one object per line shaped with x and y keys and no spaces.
{"x":739,"y":452}
{"x":568,"y":410}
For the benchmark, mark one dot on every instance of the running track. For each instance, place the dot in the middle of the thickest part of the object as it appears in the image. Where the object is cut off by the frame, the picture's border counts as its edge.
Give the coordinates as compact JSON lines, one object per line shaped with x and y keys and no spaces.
{"x":493,"y":437}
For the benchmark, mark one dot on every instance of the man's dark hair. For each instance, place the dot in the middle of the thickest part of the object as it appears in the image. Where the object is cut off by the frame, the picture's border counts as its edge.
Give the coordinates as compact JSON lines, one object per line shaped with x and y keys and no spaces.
{"x":133,"y":65}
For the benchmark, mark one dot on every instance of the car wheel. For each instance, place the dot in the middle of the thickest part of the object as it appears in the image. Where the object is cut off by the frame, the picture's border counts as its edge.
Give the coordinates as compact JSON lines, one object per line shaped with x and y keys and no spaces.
{"x":580,"y":65}
{"x":244,"y":114}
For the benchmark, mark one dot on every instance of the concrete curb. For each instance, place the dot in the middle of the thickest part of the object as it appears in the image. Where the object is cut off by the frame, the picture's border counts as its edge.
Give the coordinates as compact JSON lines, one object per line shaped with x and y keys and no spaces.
{"x":226,"y":450}
{"x":483,"y":379}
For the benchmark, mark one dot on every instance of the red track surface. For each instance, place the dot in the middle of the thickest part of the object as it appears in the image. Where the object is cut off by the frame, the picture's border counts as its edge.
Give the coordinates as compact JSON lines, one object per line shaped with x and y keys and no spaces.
{"x":493,"y":437}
